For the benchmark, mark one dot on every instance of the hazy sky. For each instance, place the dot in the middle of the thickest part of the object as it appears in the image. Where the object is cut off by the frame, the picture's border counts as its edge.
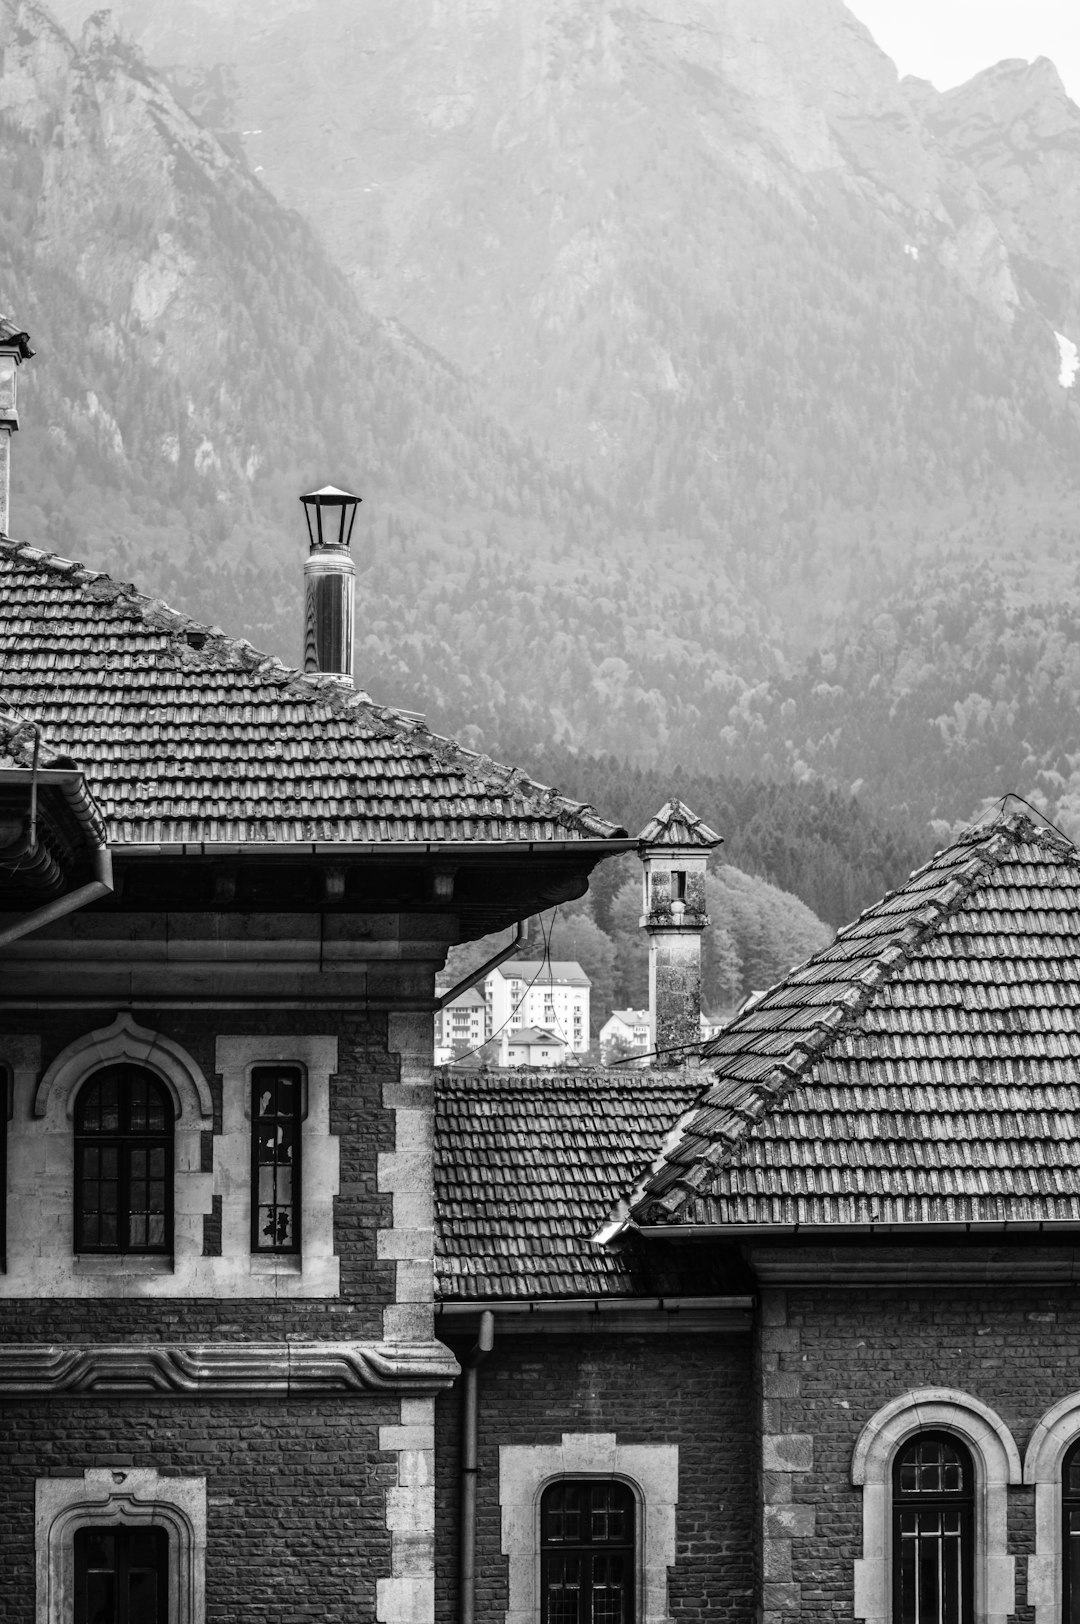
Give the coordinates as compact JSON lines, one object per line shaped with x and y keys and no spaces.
{"x":947,"y":41}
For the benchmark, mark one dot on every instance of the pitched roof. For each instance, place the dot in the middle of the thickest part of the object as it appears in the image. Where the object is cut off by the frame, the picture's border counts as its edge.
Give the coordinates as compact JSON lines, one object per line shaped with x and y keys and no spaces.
{"x":187,"y":736}
{"x":676,"y":825}
{"x":524,"y":1167}
{"x":472,"y":996}
{"x":921,"y":1069}
{"x":532,"y":1036}
{"x":558,"y":972}
{"x":12,"y":334}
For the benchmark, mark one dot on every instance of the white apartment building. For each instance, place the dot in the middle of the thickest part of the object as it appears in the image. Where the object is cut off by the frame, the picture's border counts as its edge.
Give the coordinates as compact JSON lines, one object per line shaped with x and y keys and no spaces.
{"x":529,"y":993}
{"x":461,"y":1025}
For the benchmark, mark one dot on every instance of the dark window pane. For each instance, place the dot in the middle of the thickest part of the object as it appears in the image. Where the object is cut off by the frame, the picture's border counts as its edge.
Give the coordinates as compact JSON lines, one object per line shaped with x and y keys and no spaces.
{"x":123,"y":1162}
{"x":275,"y":1158}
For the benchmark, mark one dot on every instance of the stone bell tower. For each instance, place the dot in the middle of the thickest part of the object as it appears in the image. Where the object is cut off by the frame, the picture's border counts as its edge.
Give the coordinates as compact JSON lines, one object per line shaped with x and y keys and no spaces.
{"x":674,"y":849}
{"x":14,"y":350}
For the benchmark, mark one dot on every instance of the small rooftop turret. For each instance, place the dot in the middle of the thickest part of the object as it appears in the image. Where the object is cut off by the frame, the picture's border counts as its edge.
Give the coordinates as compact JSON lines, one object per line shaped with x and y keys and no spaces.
{"x":14,"y":350}
{"x":674,"y":848}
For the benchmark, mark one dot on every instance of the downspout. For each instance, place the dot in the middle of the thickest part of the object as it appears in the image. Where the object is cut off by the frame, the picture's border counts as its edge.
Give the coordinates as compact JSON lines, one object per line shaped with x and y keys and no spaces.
{"x":485,"y":1341}
{"x":493,"y":963}
{"x":100,"y":886}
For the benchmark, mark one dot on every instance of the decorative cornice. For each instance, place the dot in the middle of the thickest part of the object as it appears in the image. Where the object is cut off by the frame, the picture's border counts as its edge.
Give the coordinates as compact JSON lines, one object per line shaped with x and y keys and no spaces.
{"x":224,"y":1369}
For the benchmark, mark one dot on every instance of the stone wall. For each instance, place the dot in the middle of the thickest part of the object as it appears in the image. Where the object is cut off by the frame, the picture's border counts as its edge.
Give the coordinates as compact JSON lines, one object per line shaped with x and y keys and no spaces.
{"x":295,"y":1495}
{"x":692,"y":1392}
{"x":830,"y":1359}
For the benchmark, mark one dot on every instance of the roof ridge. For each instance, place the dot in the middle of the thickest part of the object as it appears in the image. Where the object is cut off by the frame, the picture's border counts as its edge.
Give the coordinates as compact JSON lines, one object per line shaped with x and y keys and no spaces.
{"x":665,"y":1185}
{"x":208,"y":645}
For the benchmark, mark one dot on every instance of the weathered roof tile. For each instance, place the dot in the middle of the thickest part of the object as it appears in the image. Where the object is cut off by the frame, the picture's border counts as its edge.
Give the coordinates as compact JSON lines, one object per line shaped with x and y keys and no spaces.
{"x":188,"y":736}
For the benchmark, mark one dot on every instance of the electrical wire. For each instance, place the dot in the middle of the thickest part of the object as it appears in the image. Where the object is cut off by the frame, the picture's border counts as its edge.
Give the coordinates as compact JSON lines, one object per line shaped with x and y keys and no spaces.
{"x":546,"y":960}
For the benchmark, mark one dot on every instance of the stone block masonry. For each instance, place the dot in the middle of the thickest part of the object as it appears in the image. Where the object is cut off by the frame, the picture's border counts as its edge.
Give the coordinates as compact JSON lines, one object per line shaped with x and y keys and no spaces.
{"x":692,"y":1393}
{"x":831,"y":1359}
{"x":296,"y":1495}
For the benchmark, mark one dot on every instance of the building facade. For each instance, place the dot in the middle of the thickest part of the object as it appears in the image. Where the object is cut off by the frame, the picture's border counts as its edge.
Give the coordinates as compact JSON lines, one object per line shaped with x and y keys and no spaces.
{"x":226,"y":890}
{"x":292,"y":1327}
{"x":553,"y":995}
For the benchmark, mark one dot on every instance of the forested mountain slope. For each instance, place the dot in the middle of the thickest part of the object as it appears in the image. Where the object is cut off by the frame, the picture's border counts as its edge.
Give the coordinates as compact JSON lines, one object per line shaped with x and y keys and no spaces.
{"x":752,"y":449}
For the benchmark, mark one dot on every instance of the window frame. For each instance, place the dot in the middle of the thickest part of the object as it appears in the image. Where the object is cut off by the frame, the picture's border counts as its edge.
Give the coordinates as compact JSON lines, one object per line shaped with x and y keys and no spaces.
{"x":260,"y":1247}
{"x":650,"y":1471}
{"x":996,"y":1462}
{"x":126,"y":1140}
{"x":124,"y":1534}
{"x":550,"y":1550}
{"x":908,"y":1501}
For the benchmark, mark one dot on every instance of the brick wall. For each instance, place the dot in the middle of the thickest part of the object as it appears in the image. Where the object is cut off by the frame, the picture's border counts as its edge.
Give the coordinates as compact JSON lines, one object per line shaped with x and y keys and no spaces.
{"x":296,"y":1515}
{"x":365,"y":1128}
{"x":830,"y":1359}
{"x":693,"y":1391}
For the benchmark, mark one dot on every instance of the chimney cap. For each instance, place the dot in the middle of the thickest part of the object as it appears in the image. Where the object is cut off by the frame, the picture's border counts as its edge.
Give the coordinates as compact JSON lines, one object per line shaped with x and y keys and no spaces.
{"x":330,"y":500}
{"x":330,"y":496}
{"x":676,"y":825}
{"x":12,"y":337}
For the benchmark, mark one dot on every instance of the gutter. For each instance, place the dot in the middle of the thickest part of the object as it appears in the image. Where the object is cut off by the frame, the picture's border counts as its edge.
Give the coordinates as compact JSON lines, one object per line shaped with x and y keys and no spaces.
{"x":72,"y":786}
{"x":520,"y":939}
{"x":101,"y":886}
{"x":485,"y":1341}
{"x":540,"y":1307}
{"x":834,"y":1232}
{"x":477,"y":850}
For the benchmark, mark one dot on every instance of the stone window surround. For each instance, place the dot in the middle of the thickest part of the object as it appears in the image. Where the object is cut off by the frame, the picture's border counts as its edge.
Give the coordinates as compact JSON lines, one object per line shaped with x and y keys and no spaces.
{"x":41,"y":1257}
{"x":315,"y":1271}
{"x":650,"y":1470}
{"x":1051,"y":1440}
{"x":997,"y":1466}
{"x":128,"y":1497}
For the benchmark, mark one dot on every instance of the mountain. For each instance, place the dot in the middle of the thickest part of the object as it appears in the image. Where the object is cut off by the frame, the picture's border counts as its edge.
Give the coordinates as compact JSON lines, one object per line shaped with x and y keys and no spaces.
{"x":773,"y":334}
{"x":201,"y":362}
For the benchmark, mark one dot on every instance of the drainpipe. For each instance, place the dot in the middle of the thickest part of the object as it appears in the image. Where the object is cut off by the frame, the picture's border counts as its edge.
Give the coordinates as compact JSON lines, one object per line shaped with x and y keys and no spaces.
{"x":100,"y":886}
{"x":485,"y":1341}
{"x":493,"y":963}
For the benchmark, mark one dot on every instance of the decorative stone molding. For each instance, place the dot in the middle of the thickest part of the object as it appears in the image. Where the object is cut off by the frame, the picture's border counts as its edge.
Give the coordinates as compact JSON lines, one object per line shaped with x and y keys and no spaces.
{"x":250,"y":1369}
{"x":997,"y":1465}
{"x":125,"y":1040}
{"x":651,"y":1470}
{"x":1054,"y":1434}
{"x":129,"y":1497}
{"x":316,"y":1272}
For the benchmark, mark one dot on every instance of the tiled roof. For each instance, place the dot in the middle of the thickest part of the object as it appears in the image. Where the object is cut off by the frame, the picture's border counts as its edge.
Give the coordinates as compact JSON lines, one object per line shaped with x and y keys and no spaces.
{"x":924,"y":1068}
{"x":16,"y":739}
{"x":557,"y":972}
{"x":187,"y":736}
{"x":11,"y":333}
{"x":524,"y":1167}
{"x":676,"y":825}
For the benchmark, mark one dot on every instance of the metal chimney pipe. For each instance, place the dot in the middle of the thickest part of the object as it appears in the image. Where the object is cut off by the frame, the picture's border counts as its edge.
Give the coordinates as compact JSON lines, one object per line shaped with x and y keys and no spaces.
{"x":329,"y":581}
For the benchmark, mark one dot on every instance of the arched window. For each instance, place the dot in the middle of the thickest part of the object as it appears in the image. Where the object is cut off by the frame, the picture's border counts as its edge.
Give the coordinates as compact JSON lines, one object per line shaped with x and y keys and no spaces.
{"x":1070,"y":1535}
{"x":587,"y":1552}
{"x":123,"y":1163}
{"x":121,"y":1575}
{"x":933,"y":1532}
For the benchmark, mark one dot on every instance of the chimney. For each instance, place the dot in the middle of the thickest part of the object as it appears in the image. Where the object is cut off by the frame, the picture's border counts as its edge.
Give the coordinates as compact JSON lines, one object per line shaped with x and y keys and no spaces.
{"x":674,"y":849}
{"x":14,"y":350}
{"x":329,"y":581}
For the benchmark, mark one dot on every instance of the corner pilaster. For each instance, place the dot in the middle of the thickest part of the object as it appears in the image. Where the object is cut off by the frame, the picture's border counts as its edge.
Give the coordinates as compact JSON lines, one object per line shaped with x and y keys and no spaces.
{"x":786,"y":1454}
